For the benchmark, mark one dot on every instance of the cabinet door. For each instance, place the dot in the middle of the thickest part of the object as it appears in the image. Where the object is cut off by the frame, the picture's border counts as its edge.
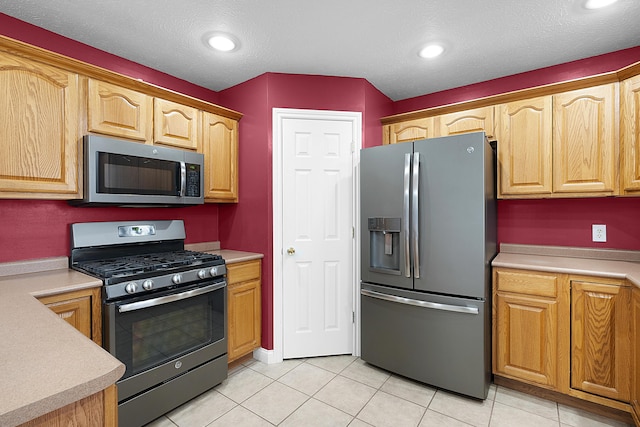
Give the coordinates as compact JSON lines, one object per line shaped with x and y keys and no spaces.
{"x":528,"y":307}
{"x":527,"y":338}
{"x":244,"y":307}
{"x":244,"y":318}
{"x":220,"y":148}
{"x":81,"y":309}
{"x":635,"y":377}
{"x":116,"y":111}
{"x":600,"y":339}
{"x":476,"y":120}
{"x":39,"y":109}
{"x":524,"y":147}
{"x":411,"y":130}
{"x":630,"y":134}
{"x":175,"y":124}
{"x":584,"y":141}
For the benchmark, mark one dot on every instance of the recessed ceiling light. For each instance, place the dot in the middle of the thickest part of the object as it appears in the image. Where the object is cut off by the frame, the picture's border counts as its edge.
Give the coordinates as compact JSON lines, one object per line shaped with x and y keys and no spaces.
{"x":431,"y":51}
{"x":597,"y":4}
{"x":221,"y":42}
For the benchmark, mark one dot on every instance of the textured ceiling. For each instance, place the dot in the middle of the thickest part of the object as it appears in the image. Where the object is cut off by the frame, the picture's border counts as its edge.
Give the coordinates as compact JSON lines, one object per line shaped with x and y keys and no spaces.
{"x":374,"y":40}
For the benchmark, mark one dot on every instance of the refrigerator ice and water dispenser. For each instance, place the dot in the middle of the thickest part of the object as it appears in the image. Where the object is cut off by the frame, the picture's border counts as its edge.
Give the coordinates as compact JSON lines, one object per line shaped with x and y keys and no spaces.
{"x":384,"y":251}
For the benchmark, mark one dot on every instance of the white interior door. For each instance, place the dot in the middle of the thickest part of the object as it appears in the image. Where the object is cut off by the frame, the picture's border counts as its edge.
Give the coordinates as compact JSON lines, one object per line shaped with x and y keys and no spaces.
{"x":317,"y":237}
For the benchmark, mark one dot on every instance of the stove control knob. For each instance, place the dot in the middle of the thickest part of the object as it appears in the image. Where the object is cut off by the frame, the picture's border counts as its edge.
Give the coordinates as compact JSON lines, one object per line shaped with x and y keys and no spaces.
{"x":213,"y":271}
{"x":202,"y":274}
{"x":131,"y":288}
{"x":147,"y":285}
{"x":177,"y":278}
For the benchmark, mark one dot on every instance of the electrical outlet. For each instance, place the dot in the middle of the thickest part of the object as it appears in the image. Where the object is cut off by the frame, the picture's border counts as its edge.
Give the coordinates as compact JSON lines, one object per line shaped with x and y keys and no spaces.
{"x":598,"y":232}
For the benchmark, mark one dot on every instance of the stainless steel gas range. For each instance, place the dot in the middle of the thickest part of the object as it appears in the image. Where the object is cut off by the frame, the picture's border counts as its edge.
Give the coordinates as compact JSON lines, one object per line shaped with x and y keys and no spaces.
{"x":164,"y":312}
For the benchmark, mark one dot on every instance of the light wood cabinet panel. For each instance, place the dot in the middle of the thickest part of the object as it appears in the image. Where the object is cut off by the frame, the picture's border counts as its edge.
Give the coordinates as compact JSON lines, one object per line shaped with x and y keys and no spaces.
{"x":117,"y":111}
{"x":220,"y":148}
{"x":600,"y":339}
{"x":81,"y":309}
{"x":475,"y":120}
{"x":585,"y":156}
{"x":635,"y":379}
{"x":630,"y":135}
{"x":525,"y":147}
{"x":527,"y":337}
{"x":411,"y":130}
{"x":527,"y":323}
{"x":40,"y":130}
{"x":175,"y":124}
{"x":98,"y":409}
{"x":244,"y":308}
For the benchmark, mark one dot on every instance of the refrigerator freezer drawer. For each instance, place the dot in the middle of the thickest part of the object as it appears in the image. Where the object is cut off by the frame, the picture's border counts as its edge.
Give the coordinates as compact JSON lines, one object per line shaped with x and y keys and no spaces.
{"x":437,"y":340}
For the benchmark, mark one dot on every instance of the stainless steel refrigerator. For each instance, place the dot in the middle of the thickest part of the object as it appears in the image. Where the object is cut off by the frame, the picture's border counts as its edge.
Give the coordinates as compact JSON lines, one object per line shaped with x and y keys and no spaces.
{"x":428,"y":235}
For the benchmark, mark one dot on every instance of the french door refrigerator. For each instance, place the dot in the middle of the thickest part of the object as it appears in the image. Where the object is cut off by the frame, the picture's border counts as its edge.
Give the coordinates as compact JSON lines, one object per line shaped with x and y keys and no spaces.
{"x":428,"y":235}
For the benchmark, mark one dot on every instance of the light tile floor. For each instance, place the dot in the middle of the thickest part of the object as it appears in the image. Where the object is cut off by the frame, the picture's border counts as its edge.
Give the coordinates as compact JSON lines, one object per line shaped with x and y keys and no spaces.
{"x":345,"y":391}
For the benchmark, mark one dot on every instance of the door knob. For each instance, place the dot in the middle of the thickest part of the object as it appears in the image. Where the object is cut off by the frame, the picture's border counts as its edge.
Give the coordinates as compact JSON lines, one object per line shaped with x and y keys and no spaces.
{"x":291,"y":251}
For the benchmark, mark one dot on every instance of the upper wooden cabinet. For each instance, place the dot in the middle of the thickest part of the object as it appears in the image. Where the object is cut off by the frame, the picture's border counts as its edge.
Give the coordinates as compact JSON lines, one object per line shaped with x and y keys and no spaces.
{"x":220,"y":145}
{"x":475,"y":120}
{"x":524,"y":147}
{"x":40,"y":130}
{"x":117,"y":111}
{"x":175,"y":124}
{"x":559,"y":145}
{"x":585,"y":155}
{"x":630,"y":135}
{"x":411,"y":130}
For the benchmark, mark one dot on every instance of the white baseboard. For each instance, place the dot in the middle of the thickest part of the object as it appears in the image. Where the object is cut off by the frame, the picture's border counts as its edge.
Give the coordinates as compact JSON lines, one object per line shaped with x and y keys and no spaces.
{"x":266,"y":356}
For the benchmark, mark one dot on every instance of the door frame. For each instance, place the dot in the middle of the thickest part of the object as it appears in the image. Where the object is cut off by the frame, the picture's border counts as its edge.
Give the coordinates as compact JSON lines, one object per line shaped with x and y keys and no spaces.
{"x":278,"y":115}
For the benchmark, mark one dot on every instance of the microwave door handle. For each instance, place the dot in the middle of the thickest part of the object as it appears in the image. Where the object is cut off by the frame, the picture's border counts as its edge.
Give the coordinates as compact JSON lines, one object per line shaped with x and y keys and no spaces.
{"x":183,"y":179}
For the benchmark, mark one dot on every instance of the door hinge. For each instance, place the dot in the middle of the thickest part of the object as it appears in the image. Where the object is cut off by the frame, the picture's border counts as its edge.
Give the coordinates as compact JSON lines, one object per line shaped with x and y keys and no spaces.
{"x":353,"y":146}
{"x":353,"y":317}
{"x":353,"y":232}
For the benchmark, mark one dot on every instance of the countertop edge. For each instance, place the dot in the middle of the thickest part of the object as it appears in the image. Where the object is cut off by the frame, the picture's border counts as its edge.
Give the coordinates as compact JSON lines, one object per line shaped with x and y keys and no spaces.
{"x":553,"y":262}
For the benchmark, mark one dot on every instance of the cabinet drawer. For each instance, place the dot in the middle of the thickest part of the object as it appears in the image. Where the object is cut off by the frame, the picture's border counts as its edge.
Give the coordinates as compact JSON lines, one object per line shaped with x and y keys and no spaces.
{"x":527,"y":282}
{"x":243,"y":271}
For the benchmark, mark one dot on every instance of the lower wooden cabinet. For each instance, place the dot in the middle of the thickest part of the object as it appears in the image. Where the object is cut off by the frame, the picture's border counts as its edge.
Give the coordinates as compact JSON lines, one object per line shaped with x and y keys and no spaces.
{"x":526,"y":336}
{"x":244,"y":308}
{"x":601,"y":339}
{"x":81,"y":309}
{"x":567,"y":333}
{"x":98,"y":409}
{"x":635,"y":381}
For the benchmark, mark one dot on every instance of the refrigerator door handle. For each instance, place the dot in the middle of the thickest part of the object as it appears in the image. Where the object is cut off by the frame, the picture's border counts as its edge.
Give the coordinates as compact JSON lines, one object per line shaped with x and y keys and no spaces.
{"x":415,"y":215}
{"x":405,"y":214}
{"x":419,"y":303}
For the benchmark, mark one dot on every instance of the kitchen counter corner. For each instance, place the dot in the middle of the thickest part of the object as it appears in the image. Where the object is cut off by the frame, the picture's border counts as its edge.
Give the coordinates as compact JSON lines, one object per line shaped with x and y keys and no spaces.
{"x":45,"y":363}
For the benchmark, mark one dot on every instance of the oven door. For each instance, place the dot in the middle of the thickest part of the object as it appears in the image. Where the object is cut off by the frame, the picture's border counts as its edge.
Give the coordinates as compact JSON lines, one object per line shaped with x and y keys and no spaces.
{"x":164,"y":335}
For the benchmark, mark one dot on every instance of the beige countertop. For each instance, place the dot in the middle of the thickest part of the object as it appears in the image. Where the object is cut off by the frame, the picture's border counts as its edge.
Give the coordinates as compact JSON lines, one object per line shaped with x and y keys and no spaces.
{"x":45,"y":363}
{"x":611,"y":263}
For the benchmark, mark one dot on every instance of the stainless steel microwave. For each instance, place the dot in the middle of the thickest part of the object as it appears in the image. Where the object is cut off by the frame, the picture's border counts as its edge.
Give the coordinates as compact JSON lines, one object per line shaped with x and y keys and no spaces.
{"x":124,"y":173}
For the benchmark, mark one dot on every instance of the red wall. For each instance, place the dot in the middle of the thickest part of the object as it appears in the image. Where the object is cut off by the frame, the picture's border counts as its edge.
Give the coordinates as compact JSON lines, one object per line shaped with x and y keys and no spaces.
{"x":40,"y":228}
{"x":558,"y":73}
{"x":33,"y":229}
{"x":249,"y":224}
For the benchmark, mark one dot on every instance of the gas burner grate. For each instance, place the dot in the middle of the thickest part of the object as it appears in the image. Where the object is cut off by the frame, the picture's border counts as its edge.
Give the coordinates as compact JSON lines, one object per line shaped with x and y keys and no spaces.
{"x":137,"y":264}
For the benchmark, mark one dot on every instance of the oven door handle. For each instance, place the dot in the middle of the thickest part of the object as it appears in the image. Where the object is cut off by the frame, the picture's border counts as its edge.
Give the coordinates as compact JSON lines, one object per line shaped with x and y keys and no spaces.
{"x":170,"y":298}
